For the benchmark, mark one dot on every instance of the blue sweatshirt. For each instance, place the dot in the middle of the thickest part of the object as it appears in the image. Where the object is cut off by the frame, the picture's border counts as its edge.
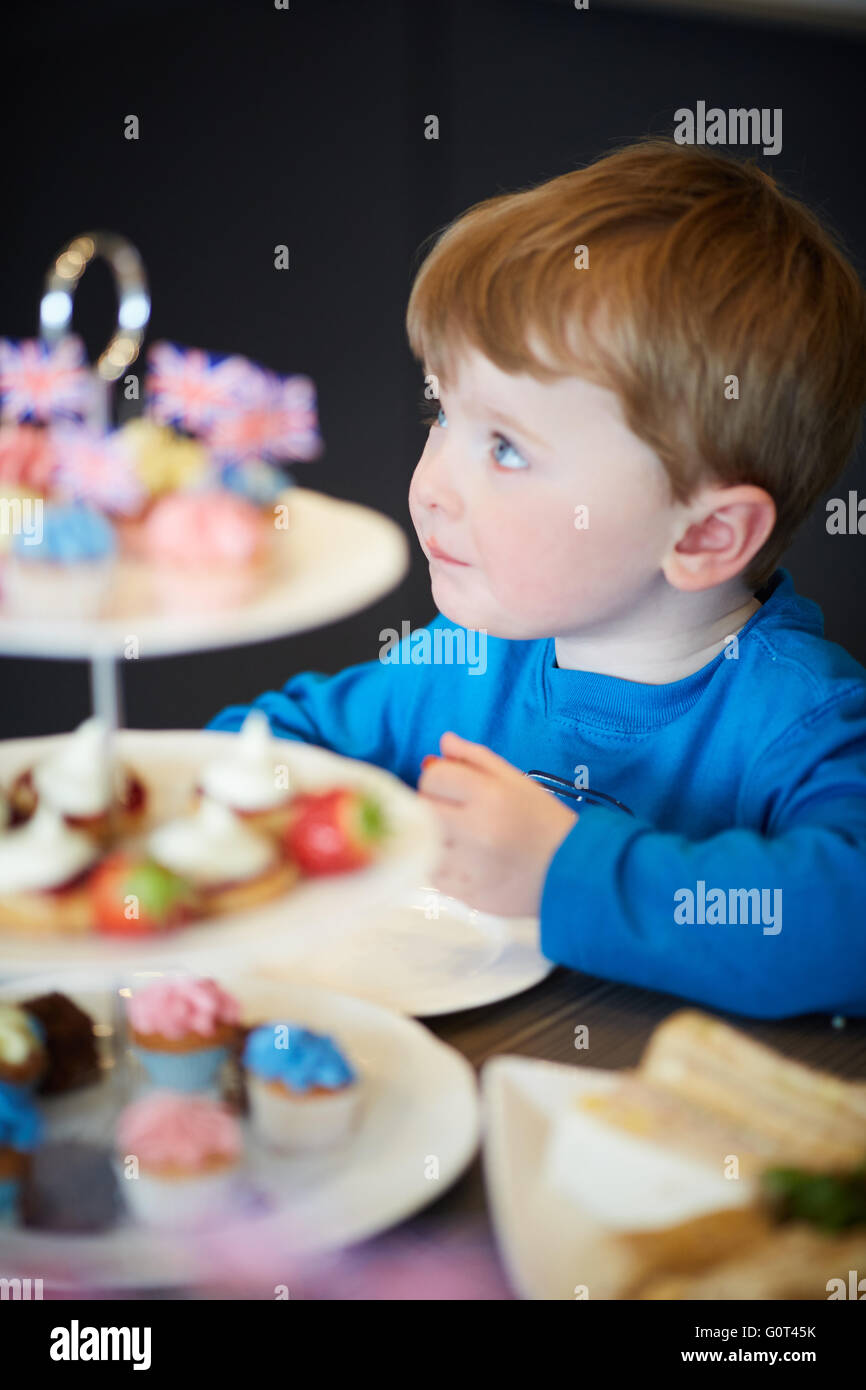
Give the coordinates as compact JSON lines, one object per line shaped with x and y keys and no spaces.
{"x":740,"y":879}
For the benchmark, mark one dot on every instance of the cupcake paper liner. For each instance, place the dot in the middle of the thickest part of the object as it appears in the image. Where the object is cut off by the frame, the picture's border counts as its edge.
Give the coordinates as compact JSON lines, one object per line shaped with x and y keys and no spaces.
{"x":290,"y":1123}
{"x":193,"y":1200}
{"x":183,"y":1071}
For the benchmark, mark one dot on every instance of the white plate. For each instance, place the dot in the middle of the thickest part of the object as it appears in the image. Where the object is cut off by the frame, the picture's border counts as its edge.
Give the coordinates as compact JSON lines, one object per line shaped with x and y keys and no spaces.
{"x":169,"y":761}
{"x":429,"y":955}
{"x":338,"y":557}
{"x":420,"y":1103}
{"x":561,"y":1183}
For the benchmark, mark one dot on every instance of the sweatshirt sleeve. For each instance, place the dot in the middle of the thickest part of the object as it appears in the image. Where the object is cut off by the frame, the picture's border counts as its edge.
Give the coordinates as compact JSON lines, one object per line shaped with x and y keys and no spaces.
{"x":627,"y":902}
{"x":373,"y":711}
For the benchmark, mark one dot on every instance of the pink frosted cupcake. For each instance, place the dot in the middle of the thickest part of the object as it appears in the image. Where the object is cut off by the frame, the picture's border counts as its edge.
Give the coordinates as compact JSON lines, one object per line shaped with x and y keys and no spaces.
{"x":27,"y":458}
{"x":179,"y":1157}
{"x":208,"y":550}
{"x":183,"y":1031}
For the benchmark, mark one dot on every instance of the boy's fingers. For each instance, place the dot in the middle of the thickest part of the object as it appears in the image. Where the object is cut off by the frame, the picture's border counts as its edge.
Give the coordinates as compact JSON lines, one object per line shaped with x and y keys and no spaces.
{"x":476,"y":754}
{"x":449,"y":780}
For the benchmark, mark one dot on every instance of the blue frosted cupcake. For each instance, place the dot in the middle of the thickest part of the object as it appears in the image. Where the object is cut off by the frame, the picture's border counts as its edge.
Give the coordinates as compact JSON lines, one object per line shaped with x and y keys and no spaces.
{"x":182,"y":1032}
{"x":256,"y":480}
{"x":64,"y":566}
{"x":20,"y":1134}
{"x":303,"y":1092}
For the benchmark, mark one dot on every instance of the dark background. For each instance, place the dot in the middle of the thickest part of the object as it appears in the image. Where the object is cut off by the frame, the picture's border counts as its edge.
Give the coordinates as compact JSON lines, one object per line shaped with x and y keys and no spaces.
{"x":305,"y":127}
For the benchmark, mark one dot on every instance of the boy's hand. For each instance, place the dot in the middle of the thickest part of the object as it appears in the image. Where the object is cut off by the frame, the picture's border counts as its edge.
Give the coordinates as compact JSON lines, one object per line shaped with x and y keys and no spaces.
{"x":500,"y":828}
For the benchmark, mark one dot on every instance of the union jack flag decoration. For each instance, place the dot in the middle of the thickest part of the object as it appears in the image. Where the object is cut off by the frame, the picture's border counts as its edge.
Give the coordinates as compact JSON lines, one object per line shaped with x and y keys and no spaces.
{"x":193,"y":389}
{"x":239,"y":409}
{"x":42,"y":382}
{"x":281,"y":425}
{"x":93,"y":468}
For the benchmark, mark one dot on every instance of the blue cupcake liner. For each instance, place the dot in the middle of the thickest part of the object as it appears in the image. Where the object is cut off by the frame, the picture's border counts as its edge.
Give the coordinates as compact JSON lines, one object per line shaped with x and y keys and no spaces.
{"x":183,"y":1071}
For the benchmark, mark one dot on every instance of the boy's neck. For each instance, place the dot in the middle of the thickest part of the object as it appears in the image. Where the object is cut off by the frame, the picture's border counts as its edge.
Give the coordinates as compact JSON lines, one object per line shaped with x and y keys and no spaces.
{"x":667,"y":637}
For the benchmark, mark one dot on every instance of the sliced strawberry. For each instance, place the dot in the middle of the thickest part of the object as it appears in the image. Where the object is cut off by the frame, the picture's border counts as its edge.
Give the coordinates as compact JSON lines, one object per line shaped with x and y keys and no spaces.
{"x":335,"y":831}
{"x":132,"y":896}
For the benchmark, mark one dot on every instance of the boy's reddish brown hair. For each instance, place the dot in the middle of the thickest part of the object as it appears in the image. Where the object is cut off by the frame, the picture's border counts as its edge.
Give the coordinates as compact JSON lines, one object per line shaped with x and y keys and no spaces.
{"x":700,"y":268}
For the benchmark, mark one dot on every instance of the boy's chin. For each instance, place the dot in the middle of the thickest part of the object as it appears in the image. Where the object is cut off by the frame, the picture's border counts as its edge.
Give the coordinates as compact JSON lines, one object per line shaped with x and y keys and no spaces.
{"x":480,"y":618}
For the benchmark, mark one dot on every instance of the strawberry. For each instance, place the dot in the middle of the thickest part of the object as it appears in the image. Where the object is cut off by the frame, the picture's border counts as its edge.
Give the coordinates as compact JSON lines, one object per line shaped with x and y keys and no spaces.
{"x":131,"y":895}
{"x":333,"y":832}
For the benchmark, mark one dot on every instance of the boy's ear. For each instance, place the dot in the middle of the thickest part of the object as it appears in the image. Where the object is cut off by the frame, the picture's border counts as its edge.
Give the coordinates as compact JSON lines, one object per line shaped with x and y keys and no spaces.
{"x":725,"y":528}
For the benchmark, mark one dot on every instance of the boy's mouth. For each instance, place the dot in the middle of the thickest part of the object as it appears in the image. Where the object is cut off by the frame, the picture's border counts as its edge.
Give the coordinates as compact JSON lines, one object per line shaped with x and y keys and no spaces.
{"x":436,"y":553}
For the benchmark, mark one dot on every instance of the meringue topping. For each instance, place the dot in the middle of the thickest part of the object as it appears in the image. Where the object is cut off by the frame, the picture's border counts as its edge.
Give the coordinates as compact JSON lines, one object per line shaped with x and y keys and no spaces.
{"x":211,"y":847}
{"x":44,"y":852}
{"x":245,"y":778}
{"x":78,"y":779}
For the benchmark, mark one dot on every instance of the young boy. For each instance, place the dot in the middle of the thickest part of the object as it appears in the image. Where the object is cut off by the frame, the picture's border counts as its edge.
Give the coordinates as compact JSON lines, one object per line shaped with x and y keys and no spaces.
{"x":648,"y":370}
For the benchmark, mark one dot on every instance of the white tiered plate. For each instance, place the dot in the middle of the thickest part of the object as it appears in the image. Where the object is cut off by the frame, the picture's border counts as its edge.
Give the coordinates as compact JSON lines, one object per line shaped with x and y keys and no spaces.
{"x":338,"y":557}
{"x":428,"y":955}
{"x":420,"y":1101}
{"x":560,"y":1184}
{"x":302,"y":919}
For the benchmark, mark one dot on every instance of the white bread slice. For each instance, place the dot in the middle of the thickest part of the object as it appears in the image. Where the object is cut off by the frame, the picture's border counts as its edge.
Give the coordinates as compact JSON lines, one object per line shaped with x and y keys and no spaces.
{"x":794,"y":1262}
{"x":785,"y":1111}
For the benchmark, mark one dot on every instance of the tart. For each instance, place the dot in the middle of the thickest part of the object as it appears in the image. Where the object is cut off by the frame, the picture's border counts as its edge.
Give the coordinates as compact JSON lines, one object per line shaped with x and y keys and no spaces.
{"x":81,"y":782}
{"x":248,"y":780}
{"x":230,"y":866}
{"x":45,"y":866}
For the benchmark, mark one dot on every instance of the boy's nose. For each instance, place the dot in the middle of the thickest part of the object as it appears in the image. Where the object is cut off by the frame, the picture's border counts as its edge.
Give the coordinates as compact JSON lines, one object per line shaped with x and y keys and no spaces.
{"x":432,"y":483}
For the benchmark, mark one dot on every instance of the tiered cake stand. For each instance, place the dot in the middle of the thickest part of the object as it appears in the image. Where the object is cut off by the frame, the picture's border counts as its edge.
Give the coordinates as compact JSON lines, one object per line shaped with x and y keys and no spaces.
{"x":333,"y":559}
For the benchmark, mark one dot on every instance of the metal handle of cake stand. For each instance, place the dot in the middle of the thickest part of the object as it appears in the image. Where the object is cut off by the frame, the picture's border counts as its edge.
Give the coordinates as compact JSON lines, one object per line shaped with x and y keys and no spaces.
{"x":133,"y":314}
{"x":133,"y":298}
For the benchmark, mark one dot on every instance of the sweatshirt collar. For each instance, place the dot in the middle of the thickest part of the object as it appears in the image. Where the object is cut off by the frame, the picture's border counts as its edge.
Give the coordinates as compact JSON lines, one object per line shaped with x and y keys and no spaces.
{"x":612,"y":703}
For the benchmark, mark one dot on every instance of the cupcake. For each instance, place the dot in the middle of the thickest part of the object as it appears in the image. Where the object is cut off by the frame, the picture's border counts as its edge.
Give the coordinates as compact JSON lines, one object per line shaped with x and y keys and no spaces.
{"x":65,"y":572}
{"x":230,"y":866}
{"x":183,"y":1031}
{"x":70,"y":1044}
{"x":23,"y":1058}
{"x":27,"y":458}
{"x":207,"y":550}
{"x":247,"y":779}
{"x":303,"y":1093}
{"x":82,"y":783}
{"x":260,"y":482}
{"x":180,"y":1157}
{"x":163,"y":462}
{"x":44,"y":867}
{"x":20,"y":1133}
{"x":72,"y":1187}
{"x":20,"y":512}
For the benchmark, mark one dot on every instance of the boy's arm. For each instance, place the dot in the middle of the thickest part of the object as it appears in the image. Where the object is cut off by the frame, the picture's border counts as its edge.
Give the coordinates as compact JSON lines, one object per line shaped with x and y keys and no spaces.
{"x":617,"y":896}
{"x":365,"y":711}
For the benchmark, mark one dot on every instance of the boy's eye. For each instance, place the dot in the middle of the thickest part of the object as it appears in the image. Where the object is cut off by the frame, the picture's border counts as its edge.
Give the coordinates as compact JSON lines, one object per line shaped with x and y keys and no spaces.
{"x":510,"y":458}
{"x":504,"y":452}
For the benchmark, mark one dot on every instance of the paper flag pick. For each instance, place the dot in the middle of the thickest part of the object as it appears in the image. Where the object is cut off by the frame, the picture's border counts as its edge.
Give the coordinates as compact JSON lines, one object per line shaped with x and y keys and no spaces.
{"x":42,"y":382}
